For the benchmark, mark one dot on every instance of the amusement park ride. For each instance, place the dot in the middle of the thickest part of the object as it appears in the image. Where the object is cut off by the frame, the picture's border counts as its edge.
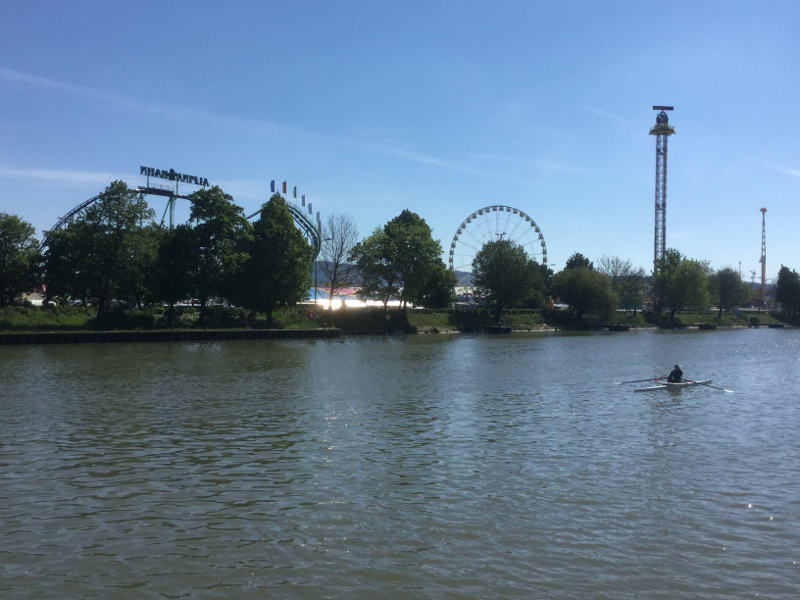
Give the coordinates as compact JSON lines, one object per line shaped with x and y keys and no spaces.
{"x":492,"y":223}
{"x":306,"y":223}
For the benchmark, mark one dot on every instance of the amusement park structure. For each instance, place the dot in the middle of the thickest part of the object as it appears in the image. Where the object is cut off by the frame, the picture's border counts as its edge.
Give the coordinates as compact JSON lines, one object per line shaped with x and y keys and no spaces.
{"x":305,"y":222}
{"x":492,"y":223}
{"x":662,"y":130}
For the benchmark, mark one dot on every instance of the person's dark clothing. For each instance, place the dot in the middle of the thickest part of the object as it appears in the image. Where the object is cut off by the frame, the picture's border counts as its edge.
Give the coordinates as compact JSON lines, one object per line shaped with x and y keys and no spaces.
{"x":676,"y":375}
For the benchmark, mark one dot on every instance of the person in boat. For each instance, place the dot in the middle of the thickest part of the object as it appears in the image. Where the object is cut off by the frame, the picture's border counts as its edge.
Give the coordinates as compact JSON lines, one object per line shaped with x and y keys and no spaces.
{"x":675,"y":375}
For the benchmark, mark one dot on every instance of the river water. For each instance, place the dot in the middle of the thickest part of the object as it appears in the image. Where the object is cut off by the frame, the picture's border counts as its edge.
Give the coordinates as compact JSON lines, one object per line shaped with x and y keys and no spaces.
{"x":430,"y":466}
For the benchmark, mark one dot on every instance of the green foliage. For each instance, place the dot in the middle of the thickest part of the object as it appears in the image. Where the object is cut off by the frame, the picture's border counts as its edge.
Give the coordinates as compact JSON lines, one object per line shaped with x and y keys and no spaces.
{"x":728,"y":290}
{"x":220,"y":236}
{"x":679,"y":282}
{"x":174,"y":273}
{"x":401,"y":261}
{"x":277,"y":270}
{"x":373,"y":259}
{"x":439,"y":290}
{"x":18,"y":258}
{"x":504,"y":276}
{"x":587,"y":292}
{"x":103,"y":255}
{"x":579,"y":261}
{"x":47,"y":318}
{"x":787,"y":292}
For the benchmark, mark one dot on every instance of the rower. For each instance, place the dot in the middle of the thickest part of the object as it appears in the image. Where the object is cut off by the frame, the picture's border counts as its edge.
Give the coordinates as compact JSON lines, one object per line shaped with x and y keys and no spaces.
{"x":675,"y":375}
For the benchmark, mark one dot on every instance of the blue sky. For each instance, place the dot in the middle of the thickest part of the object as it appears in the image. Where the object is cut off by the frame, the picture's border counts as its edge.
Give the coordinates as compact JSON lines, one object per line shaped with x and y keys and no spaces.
{"x":441,"y":107}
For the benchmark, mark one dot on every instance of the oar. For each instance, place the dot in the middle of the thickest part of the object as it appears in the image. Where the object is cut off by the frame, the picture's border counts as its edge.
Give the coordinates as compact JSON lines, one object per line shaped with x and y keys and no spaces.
{"x":716,"y":387}
{"x":638,"y":380}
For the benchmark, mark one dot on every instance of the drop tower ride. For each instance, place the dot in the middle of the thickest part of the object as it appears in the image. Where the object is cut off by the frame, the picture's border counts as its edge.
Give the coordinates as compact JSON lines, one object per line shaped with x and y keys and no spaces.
{"x":662,"y":130}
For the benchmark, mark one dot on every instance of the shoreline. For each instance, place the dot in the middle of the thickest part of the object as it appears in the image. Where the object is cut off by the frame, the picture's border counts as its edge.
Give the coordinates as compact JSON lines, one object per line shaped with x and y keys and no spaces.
{"x":188,"y":335}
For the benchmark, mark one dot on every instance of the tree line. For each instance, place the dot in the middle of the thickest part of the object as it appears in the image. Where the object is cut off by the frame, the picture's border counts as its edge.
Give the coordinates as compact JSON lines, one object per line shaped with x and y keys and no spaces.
{"x":114,"y":252}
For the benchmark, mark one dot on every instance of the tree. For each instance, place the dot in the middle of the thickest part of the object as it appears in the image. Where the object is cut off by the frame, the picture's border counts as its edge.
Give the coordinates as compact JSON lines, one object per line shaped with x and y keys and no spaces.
{"x":340,"y":236}
{"x":579,"y":261}
{"x":174,"y":272}
{"x":587,"y":292}
{"x":18,"y":258}
{"x":626,"y":282}
{"x":679,"y":282}
{"x":503,"y":274}
{"x":372,"y":257}
{"x":220,"y":236}
{"x":439,"y":289}
{"x":728,"y":289}
{"x":277,"y":270}
{"x":399,"y":261}
{"x":414,"y":254}
{"x":103,"y":254}
{"x":787,"y":292}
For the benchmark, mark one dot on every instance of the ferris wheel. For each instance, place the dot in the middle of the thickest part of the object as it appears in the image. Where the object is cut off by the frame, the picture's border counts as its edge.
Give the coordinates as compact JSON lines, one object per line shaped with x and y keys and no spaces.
{"x":490,"y":224}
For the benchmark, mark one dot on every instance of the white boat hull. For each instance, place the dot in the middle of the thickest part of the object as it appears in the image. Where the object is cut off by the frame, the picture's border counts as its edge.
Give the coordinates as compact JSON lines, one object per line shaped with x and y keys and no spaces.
{"x":666,"y":385}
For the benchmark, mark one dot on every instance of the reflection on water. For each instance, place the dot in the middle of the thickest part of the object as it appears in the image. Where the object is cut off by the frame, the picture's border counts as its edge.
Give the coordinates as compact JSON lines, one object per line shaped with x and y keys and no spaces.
{"x":426,"y":466}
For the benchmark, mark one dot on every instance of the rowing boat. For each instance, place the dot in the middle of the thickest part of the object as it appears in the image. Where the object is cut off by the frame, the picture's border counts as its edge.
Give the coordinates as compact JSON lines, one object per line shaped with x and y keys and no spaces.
{"x":666,"y":385}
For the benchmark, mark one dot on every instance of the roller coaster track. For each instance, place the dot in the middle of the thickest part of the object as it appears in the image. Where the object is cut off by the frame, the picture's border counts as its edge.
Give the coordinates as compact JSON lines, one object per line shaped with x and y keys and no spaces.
{"x":302,"y":222}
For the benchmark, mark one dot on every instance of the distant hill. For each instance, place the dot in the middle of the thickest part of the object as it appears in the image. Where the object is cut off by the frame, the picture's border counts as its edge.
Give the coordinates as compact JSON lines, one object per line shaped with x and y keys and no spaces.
{"x":464,"y":278}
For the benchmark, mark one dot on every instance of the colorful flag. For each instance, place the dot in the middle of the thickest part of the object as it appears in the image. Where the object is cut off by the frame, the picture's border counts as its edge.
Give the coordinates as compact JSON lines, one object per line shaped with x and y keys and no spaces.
{"x":283,"y":187}
{"x":294,"y":192}
{"x":272,"y":186}
{"x":304,"y":199}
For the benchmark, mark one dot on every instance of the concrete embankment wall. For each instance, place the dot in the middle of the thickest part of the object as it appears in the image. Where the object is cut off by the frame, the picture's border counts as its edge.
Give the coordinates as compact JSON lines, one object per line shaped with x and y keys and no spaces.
{"x":82,"y":337}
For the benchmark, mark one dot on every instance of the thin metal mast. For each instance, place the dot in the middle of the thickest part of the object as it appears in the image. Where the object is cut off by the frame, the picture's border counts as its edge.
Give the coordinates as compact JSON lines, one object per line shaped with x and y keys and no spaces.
{"x":662,"y":130}
{"x":763,"y":256}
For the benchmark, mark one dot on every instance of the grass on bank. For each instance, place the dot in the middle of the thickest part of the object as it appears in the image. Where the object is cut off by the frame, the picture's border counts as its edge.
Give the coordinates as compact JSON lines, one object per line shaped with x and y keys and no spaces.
{"x":27,"y":319}
{"x":351,"y":321}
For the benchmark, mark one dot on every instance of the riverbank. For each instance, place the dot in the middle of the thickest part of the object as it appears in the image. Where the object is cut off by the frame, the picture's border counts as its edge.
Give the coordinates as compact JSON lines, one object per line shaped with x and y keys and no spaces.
{"x":88,"y":337}
{"x":48,"y":324}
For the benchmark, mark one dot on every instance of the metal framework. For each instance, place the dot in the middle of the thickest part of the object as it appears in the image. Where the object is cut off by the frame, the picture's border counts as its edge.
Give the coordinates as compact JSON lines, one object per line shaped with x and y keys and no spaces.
{"x":492,"y":223}
{"x":763,"y":256}
{"x":310,"y":229}
{"x":662,"y":130}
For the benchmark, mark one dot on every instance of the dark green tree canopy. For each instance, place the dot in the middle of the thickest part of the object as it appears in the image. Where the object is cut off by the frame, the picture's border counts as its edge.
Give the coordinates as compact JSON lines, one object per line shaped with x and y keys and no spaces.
{"x":174,"y":274}
{"x":503,"y":275}
{"x":680,"y":282}
{"x":220,"y":234}
{"x":18,"y":258}
{"x":787,"y":292}
{"x":400,"y":261}
{"x":101,"y":255}
{"x":587,"y":292}
{"x":373,"y":259}
{"x":579,"y":261}
{"x":277,"y":271}
{"x":728,"y":290}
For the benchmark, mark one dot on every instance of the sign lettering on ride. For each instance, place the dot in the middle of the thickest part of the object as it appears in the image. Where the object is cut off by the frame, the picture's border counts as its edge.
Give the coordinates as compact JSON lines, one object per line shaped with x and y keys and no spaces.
{"x":173,"y":175}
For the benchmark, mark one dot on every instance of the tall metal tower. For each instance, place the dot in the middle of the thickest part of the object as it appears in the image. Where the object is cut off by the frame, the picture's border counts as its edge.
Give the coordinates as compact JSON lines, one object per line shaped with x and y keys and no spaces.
{"x":763,"y":256}
{"x":662,"y":130}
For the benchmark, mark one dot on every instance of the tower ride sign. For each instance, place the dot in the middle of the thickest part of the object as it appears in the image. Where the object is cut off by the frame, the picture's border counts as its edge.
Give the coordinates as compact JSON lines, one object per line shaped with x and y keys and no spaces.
{"x":173,"y":175}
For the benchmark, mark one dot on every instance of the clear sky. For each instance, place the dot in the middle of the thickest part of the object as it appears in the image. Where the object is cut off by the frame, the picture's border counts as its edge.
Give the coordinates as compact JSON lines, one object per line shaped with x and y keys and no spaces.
{"x":441,"y":107}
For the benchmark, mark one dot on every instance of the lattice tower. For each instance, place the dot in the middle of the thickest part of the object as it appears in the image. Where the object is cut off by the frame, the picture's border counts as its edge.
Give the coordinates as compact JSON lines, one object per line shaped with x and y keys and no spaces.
{"x":662,"y":130}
